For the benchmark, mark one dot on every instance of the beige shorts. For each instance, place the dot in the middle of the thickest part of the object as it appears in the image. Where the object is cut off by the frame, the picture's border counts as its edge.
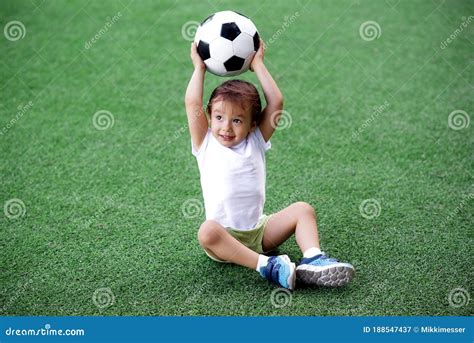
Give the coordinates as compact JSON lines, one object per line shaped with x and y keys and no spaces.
{"x":252,"y":238}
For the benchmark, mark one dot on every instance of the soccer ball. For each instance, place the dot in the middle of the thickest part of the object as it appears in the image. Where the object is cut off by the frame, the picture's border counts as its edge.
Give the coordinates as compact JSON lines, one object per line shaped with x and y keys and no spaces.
{"x":227,"y":42}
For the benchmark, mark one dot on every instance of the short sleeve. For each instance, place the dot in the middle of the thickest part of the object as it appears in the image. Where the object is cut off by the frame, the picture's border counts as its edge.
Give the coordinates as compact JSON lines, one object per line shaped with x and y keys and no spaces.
{"x":203,"y":146}
{"x":261,"y":141}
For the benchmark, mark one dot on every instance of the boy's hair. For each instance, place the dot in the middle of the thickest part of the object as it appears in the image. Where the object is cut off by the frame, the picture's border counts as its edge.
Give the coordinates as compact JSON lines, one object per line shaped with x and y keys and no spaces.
{"x":241,"y":93}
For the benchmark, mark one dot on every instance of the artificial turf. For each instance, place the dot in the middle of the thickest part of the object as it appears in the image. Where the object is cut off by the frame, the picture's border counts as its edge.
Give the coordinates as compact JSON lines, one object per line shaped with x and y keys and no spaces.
{"x":104,"y":208}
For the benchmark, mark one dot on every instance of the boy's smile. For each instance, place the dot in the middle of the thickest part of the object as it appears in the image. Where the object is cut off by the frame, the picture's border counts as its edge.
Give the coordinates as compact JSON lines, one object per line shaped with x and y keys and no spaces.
{"x":227,"y":138}
{"x":230,"y":124}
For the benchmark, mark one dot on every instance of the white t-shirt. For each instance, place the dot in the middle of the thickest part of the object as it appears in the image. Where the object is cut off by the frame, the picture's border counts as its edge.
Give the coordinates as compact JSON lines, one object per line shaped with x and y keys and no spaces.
{"x":233,"y":179}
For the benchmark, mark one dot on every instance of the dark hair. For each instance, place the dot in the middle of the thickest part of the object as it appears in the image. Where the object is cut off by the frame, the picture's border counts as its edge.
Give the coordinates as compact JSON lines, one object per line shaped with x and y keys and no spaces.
{"x":241,"y":93}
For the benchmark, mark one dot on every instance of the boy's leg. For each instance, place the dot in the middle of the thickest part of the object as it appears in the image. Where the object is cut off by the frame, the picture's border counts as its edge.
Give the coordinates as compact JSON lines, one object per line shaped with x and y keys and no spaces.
{"x":299,"y":219}
{"x":316,"y":268}
{"x":214,"y":237}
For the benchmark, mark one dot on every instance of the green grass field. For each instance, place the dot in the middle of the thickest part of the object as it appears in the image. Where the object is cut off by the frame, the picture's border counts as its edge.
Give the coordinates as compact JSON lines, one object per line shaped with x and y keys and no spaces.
{"x":102,"y":227}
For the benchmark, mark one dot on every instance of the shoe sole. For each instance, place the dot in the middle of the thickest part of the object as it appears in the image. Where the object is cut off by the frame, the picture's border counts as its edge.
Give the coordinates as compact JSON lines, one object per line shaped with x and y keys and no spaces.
{"x":332,"y":276}
{"x":292,"y":278}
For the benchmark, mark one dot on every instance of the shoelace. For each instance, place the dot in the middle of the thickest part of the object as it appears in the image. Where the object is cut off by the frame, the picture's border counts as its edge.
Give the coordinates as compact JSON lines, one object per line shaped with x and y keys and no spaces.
{"x":271,"y":271}
{"x":327,"y":258}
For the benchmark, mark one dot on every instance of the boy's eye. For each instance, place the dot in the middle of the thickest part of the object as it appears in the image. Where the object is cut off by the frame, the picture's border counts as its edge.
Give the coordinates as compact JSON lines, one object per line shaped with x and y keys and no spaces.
{"x":218,"y":117}
{"x":237,"y":121}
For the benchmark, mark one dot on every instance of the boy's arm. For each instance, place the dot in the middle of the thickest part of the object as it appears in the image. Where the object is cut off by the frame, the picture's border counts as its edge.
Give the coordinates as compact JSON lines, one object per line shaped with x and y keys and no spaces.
{"x":272,"y":112}
{"x":197,"y":120}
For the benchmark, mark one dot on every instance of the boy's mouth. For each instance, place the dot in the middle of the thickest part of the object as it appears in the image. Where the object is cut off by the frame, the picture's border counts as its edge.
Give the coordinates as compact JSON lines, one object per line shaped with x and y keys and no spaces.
{"x":226,"y":137}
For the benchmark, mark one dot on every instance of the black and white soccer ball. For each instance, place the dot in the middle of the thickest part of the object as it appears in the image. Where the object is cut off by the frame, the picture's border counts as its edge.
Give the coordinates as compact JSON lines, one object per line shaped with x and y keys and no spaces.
{"x":227,"y":42}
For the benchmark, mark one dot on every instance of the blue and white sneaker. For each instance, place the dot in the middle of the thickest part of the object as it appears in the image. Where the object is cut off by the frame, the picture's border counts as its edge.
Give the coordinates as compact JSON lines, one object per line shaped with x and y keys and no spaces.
{"x":280,"y":270}
{"x":322,"y":270}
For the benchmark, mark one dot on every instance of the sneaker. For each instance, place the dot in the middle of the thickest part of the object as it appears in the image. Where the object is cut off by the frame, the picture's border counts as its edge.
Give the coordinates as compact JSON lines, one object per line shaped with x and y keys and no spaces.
{"x":322,"y":270}
{"x":280,"y":270}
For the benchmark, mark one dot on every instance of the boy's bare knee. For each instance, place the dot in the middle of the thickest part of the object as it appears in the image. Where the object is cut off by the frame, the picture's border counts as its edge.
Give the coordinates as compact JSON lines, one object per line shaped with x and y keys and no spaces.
{"x":304,"y":207}
{"x":208,"y":233}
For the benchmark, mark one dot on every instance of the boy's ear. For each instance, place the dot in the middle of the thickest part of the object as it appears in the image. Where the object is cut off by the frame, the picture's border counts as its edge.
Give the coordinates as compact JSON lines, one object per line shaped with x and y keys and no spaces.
{"x":254,"y":126}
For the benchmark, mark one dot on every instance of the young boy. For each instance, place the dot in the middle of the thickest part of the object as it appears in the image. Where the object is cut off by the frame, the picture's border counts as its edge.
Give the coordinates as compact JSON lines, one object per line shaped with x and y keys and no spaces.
{"x":231,"y":158}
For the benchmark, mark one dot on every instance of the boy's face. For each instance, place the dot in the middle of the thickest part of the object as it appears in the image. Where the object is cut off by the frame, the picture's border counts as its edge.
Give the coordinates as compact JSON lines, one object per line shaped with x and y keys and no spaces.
{"x":230,"y":123}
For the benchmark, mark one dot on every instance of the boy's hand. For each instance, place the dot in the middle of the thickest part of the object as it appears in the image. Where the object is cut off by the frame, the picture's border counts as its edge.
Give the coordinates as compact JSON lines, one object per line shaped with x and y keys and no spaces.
{"x":196,"y":59}
{"x":259,"y":55}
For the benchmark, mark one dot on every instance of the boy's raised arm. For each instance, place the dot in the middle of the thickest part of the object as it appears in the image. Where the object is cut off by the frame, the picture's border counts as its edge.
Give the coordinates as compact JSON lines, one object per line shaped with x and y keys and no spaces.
{"x":197,"y":120}
{"x":272,"y":112}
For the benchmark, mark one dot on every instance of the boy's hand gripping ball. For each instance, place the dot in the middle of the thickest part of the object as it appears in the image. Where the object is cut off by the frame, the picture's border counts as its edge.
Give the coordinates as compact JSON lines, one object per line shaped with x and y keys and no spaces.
{"x":227,"y":42}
